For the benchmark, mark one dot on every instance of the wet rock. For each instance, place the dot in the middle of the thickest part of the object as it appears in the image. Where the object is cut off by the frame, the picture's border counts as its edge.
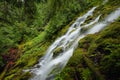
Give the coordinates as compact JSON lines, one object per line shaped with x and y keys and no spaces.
{"x":84,"y":29}
{"x":57,"y":51}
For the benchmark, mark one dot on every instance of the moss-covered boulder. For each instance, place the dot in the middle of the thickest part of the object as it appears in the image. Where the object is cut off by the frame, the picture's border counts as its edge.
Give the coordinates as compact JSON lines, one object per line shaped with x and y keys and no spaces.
{"x":57,"y":51}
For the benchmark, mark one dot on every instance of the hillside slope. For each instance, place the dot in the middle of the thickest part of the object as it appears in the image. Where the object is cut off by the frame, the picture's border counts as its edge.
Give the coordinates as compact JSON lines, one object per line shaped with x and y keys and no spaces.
{"x":27,"y":34}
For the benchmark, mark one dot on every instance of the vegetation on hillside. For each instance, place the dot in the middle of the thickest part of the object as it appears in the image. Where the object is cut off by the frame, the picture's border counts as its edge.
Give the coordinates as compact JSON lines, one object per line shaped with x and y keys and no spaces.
{"x":28,"y":27}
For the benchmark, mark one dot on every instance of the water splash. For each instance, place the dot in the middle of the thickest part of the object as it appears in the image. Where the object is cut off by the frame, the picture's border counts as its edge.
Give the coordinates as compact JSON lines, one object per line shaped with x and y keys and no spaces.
{"x":109,"y":19}
{"x":49,"y":65}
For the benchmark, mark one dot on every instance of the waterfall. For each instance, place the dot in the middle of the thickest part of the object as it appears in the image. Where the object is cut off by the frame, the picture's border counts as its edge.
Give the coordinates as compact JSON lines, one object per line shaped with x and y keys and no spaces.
{"x":50,"y":65}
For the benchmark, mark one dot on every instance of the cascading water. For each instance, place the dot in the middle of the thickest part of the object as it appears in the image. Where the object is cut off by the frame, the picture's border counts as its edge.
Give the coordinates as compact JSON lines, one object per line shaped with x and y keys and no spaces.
{"x":49,"y":65}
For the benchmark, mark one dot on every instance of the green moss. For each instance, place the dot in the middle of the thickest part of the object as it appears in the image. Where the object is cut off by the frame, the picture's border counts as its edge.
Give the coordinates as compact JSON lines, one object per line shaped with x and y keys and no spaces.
{"x":76,"y":58}
{"x":86,"y":74}
{"x":65,"y":75}
{"x":9,"y":77}
{"x":25,"y":76}
{"x":26,"y":61}
{"x":57,"y":51}
{"x":19,"y":76}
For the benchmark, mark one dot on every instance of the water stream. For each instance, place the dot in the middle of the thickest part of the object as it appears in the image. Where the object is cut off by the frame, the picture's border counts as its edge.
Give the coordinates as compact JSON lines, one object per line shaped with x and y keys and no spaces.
{"x":51,"y":64}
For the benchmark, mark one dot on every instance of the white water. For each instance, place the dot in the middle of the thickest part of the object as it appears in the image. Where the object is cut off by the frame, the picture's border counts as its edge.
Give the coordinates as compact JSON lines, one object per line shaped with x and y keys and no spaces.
{"x":49,"y":65}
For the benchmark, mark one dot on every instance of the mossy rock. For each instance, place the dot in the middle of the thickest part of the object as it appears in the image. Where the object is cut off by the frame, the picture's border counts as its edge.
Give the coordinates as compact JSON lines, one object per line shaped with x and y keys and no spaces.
{"x":9,"y":77}
{"x":26,"y":76}
{"x":84,"y":29}
{"x":57,"y":51}
{"x":19,"y":76}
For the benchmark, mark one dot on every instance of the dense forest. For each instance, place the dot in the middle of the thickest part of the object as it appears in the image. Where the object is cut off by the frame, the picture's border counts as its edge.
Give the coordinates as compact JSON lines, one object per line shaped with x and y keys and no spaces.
{"x":29,"y":27}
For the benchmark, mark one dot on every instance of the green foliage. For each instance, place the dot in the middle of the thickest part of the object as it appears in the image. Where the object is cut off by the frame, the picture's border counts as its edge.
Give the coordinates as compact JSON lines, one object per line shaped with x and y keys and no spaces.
{"x":29,"y":11}
{"x":1,"y":62}
{"x":29,"y":25}
{"x":86,"y":74}
{"x":65,"y":75}
{"x":76,"y":58}
{"x":61,"y":14}
{"x":42,"y":11}
{"x":13,"y":30}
